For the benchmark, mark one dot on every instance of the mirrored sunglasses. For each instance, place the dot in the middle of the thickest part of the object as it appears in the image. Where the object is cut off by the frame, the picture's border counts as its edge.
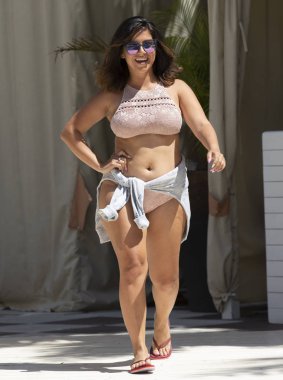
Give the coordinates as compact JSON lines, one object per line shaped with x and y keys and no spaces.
{"x":149,"y":46}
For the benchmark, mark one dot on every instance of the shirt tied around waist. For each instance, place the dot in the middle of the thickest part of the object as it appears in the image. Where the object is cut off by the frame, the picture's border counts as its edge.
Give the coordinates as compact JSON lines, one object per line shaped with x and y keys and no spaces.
{"x":174,"y":183}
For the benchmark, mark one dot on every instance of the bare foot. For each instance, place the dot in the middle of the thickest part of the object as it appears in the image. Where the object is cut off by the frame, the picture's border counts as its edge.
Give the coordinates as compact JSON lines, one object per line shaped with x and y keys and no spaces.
{"x":141,"y":358}
{"x":162,"y":338}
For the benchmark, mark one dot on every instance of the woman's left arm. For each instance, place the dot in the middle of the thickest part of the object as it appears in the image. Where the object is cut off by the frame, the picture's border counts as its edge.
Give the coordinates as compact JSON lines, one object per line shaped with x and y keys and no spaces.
{"x":200,"y":125}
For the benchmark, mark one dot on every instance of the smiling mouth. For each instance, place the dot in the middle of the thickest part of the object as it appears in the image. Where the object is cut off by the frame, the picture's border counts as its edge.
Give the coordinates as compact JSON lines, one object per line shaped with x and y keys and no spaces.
{"x":142,"y":61}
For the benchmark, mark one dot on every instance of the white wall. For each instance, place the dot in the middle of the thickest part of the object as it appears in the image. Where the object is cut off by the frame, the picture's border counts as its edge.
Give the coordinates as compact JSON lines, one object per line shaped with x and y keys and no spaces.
{"x":272,"y":143}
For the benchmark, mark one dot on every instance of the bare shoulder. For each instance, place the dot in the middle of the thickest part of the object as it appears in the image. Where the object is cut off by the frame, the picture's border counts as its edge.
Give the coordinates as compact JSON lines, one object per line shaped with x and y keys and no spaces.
{"x":188,"y":102}
{"x":113,"y":100}
{"x":185,"y":93}
{"x":99,"y":106}
{"x":179,"y":90}
{"x":110,"y":96}
{"x":105,"y":99}
{"x":182,"y":87}
{"x":104,"y":102}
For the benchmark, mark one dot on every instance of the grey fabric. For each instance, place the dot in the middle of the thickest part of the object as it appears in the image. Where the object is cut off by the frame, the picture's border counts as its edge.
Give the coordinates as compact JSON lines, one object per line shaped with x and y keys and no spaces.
{"x":245,"y":99}
{"x":38,"y":260}
{"x":225,"y":55}
{"x":174,"y":183}
{"x":261,"y":107}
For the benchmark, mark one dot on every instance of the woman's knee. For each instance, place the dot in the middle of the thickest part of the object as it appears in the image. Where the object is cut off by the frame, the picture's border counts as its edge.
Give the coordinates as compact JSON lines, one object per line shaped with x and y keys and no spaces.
{"x":165,"y":282}
{"x":133,"y":269}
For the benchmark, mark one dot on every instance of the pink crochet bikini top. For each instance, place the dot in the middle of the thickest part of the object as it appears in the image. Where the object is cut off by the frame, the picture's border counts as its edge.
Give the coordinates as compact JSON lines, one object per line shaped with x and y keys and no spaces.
{"x":146,"y":111}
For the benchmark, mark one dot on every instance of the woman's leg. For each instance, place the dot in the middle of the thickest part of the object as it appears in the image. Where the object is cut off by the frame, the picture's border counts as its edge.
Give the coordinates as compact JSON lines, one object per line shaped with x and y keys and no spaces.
{"x":164,"y":236}
{"x":129,"y":244}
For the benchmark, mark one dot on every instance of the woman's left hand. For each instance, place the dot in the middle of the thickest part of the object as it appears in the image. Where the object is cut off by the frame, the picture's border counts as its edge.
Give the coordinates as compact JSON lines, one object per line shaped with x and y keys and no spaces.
{"x":216,"y":160}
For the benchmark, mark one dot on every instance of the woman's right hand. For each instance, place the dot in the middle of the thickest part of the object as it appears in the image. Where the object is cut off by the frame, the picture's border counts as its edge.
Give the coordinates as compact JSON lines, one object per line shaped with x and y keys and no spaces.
{"x":117,"y":161}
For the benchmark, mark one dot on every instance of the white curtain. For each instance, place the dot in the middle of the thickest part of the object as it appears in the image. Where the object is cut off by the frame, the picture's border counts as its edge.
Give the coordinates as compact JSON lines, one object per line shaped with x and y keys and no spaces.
{"x":228,"y":26}
{"x":44,"y":264}
{"x":37,"y":173}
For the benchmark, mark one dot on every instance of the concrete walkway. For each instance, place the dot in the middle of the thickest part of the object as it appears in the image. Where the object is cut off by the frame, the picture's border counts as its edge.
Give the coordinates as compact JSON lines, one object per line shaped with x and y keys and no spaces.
{"x":96,"y":346}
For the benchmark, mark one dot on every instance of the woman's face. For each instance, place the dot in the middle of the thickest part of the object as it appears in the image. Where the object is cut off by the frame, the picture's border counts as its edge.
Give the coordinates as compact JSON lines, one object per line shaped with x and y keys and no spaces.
{"x":143,"y":58}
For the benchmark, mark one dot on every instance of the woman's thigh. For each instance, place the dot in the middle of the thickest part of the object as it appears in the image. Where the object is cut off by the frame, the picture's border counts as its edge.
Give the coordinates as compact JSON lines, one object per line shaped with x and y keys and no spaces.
{"x":128,"y":241}
{"x":164,"y":236}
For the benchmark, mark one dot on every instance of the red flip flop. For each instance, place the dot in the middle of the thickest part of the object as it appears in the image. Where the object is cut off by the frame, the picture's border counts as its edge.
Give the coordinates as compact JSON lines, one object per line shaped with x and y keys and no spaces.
{"x":159,"y":346}
{"x":147,"y":367}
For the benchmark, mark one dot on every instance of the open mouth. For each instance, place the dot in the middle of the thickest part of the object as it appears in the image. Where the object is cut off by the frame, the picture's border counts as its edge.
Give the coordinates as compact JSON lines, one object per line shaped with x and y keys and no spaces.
{"x":142,"y":61}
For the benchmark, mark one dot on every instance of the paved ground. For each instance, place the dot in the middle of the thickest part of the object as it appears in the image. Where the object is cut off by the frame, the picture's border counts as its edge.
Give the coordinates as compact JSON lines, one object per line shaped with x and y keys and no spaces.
{"x":95,"y":346}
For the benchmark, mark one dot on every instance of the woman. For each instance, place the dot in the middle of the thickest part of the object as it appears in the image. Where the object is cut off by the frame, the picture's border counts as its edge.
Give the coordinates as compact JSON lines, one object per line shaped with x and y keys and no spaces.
{"x":143,"y":205}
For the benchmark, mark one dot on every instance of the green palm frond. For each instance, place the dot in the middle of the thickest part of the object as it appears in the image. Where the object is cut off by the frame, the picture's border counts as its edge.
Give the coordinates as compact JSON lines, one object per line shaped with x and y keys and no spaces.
{"x":178,"y":19}
{"x":186,"y":31}
{"x":185,"y":25}
{"x":95,"y":45}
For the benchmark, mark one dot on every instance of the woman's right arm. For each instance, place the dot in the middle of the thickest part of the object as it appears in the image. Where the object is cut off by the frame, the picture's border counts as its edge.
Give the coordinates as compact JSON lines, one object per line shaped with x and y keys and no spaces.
{"x":72,"y":135}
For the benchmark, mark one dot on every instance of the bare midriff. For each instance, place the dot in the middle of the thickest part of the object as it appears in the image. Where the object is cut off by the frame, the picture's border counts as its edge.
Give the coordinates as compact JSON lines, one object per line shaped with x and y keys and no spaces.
{"x":151,"y":155}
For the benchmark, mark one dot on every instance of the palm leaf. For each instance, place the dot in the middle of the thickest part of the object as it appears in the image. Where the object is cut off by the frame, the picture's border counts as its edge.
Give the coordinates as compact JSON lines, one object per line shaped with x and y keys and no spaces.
{"x":178,"y":19}
{"x":95,"y":45}
{"x":185,"y":26}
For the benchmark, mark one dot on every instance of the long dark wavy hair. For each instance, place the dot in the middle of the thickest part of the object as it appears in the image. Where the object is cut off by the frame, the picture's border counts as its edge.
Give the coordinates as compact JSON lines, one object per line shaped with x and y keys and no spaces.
{"x":113,"y":74}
